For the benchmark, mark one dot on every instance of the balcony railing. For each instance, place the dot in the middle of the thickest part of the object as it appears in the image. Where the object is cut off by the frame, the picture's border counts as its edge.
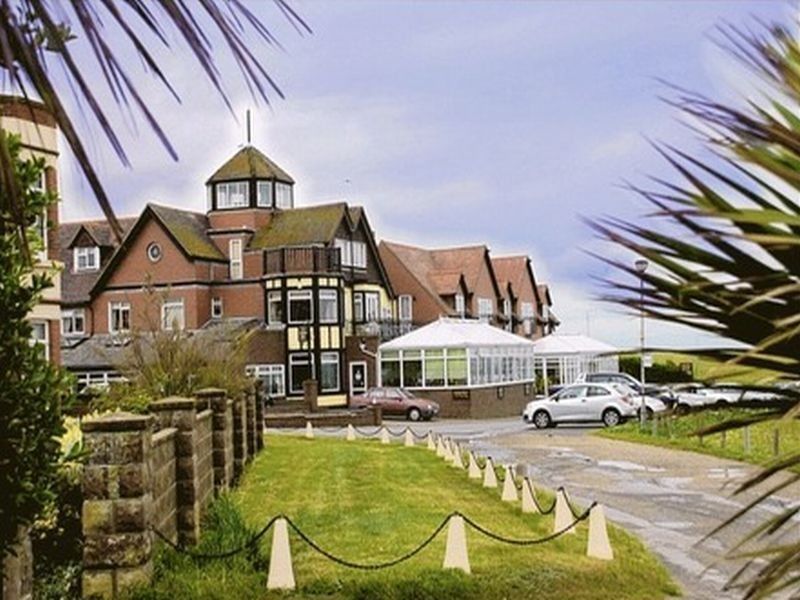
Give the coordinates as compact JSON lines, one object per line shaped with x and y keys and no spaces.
{"x":385,"y":329}
{"x":305,"y":259}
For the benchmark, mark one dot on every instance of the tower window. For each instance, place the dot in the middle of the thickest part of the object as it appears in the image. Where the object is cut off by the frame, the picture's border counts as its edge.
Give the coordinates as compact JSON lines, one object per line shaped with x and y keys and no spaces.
{"x":283,"y":195}
{"x":264,"y":198}
{"x":233,"y":194}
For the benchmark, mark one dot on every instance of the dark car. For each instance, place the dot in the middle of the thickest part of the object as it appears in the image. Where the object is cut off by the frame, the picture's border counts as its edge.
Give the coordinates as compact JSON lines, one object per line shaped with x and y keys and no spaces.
{"x":397,"y":402}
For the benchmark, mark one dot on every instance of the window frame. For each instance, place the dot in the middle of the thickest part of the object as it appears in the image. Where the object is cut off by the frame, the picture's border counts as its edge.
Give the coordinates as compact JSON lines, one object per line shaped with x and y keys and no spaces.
{"x":260,"y":186}
{"x":328,"y":294}
{"x":281,"y":197}
{"x":408,"y":301}
{"x":376,"y":297}
{"x":71,"y":315}
{"x":217,"y":309}
{"x":329,"y":358}
{"x":226,"y":185}
{"x":299,"y":359}
{"x":358,"y":307}
{"x":43,"y":341}
{"x":268,"y":372}
{"x":86,"y":252}
{"x":298,"y":295}
{"x":118,"y":305}
{"x":172,"y":304}
{"x":235,"y":259}
{"x":275,"y":297}
{"x":460,"y":305}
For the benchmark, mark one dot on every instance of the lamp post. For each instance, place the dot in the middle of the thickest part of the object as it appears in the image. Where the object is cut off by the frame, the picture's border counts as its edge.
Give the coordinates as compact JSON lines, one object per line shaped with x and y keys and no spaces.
{"x":641,"y":266}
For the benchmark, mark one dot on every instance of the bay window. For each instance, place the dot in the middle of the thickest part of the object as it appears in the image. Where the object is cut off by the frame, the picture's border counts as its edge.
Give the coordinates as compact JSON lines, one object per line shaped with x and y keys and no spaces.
{"x":274,"y":308}
{"x":264,"y":195}
{"x":300,"y":307}
{"x":328,"y":306}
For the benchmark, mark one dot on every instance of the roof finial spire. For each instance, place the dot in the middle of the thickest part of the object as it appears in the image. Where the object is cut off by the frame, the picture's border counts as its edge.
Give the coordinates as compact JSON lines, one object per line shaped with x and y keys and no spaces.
{"x":248,"y":126}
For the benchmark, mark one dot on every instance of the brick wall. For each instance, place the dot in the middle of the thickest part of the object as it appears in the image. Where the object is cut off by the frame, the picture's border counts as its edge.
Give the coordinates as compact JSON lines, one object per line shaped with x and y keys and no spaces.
{"x":162,"y":468}
{"x":483,"y":402}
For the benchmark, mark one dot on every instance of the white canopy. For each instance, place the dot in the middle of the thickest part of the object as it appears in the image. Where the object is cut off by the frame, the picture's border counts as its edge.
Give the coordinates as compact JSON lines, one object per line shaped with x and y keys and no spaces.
{"x":565,"y":344}
{"x":456,"y":333}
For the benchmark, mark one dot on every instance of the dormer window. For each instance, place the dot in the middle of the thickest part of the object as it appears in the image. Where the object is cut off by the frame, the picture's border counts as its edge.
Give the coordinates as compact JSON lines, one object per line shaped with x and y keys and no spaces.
{"x":86,"y":258}
{"x":233,"y":194}
{"x":264,"y":197}
{"x":284,"y":197}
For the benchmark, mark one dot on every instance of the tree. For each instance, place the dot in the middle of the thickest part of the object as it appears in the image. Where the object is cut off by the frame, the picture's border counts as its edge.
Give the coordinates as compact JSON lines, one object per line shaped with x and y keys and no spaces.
{"x":725,"y":244}
{"x":33,"y":389}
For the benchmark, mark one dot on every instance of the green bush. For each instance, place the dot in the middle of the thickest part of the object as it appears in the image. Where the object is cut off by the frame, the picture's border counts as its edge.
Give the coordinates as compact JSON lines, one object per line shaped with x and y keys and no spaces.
{"x":661,"y":372}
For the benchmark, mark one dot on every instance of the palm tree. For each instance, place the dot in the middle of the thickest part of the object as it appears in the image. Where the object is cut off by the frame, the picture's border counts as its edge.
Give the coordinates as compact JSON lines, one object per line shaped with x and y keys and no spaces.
{"x":725,"y":240}
{"x":37,"y":37}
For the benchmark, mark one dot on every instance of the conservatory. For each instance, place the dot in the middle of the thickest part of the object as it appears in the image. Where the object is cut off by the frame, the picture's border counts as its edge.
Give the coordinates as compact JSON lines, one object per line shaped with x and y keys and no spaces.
{"x":563,"y":357}
{"x":456,"y":353}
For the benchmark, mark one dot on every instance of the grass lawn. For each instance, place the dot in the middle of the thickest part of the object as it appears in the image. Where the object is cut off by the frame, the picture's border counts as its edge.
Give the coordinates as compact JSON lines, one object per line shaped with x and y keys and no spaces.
{"x":368,"y":503}
{"x":706,"y":369}
{"x":678,"y":432}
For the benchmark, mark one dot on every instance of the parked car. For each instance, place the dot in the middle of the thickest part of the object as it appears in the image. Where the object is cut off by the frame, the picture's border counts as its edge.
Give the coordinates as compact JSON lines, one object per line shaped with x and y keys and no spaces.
{"x":693,"y":395}
{"x":607,"y":403}
{"x":661,"y":392}
{"x":397,"y":402}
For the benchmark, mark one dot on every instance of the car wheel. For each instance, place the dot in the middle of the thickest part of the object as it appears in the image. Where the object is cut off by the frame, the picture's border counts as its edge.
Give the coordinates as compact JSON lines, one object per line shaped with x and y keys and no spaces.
{"x":720,"y":403}
{"x":611,"y":417}
{"x":414,"y":414}
{"x":682,"y":409}
{"x":542,"y":420}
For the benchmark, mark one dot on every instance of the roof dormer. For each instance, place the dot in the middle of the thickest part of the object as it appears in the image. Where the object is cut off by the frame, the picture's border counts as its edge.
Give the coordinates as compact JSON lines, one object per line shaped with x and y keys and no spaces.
{"x":250,"y":180}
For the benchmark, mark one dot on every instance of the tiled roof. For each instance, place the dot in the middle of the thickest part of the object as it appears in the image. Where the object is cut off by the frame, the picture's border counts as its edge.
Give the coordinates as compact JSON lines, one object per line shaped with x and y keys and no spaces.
{"x":446,"y":283}
{"x":189,"y":230}
{"x":544,"y":293}
{"x":301,"y":226}
{"x":247,"y":163}
{"x":468,"y":260}
{"x":75,"y":287}
{"x":100,"y":351}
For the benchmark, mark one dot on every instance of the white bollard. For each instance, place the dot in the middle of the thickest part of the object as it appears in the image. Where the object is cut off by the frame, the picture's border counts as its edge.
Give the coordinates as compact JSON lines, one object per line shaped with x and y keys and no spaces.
{"x":509,"y":487}
{"x":385,"y":436}
{"x":439,"y":447}
{"x":528,"y":500}
{"x":563,"y":516}
{"x":448,"y":450}
{"x":351,"y":433}
{"x":474,"y":471}
{"x":458,"y":463}
{"x":309,"y":430}
{"x":431,"y":443}
{"x":408,"y":440}
{"x":455,"y":551}
{"x":598,"y":545}
{"x":281,"y":574}
{"x":489,"y":476}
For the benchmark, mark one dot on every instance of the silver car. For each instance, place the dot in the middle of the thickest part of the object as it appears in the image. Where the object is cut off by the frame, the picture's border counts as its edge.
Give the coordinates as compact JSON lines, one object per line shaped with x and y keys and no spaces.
{"x":609,"y":404}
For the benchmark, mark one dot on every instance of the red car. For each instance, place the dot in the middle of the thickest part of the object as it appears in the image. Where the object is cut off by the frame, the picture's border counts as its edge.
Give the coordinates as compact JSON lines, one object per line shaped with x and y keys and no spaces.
{"x":398,"y":402}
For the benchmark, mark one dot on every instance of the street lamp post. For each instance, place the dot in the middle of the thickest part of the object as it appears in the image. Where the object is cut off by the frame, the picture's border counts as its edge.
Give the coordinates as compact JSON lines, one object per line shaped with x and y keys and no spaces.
{"x":641,"y":266}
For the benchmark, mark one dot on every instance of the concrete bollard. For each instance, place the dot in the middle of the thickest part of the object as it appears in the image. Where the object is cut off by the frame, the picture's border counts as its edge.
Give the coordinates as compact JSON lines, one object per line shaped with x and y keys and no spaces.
{"x":448,"y":450}
{"x":474,"y":471}
{"x":309,"y":431}
{"x":563,"y":516}
{"x":455,"y":551}
{"x":528,"y":500}
{"x":598,"y":545}
{"x":489,"y":476}
{"x":509,"y":487}
{"x":439,"y":447}
{"x":431,"y":443}
{"x":385,"y":436}
{"x":408,"y":440}
{"x":351,"y":433}
{"x":281,"y":573}
{"x":458,"y":462}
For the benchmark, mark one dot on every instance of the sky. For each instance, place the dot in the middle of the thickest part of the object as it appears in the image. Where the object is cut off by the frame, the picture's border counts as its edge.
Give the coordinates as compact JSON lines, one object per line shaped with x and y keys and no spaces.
{"x":451,"y":123}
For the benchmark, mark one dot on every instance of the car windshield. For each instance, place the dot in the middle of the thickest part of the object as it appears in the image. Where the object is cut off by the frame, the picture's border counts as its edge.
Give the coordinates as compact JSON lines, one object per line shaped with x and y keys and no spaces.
{"x":405,"y":394}
{"x":623,"y":388}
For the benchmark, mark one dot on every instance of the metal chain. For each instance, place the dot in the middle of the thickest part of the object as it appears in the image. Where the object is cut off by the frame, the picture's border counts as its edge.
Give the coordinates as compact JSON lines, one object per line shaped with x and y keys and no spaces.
{"x":536,"y":501}
{"x":530,"y":542}
{"x":574,"y":512}
{"x":374,"y":566}
{"x":217,"y":555}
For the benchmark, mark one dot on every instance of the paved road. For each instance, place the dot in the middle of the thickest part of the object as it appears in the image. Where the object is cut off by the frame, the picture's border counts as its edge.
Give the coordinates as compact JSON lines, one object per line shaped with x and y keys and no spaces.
{"x":670,"y":499}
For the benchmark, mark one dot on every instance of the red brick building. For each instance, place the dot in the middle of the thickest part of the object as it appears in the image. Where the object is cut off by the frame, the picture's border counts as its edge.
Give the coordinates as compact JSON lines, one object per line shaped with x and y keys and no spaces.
{"x":526,"y":303}
{"x":308,"y":282}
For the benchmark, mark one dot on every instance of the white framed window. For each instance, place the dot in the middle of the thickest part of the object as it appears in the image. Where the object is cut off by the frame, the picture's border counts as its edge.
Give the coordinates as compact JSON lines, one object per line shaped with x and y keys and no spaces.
{"x":345,"y":251}
{"x":86,"y":258}
{"x":527,"y":317}
{"x":40,"y":335}
{"x":372,"y":307}
{"x":272,"y":376}
{"x":301,"y":307}
{"x":216,"y":308}
{"x":274,"y":308}
{"x":233,"y":194}
{"x":485,"y":308}
{"x":172,"y":315}
{"x":405,"y":305}
{"x":235,"y":257}
{"x":301,"y":368}
{"x":359,"y":253}
{"x":545,"y":312}
{"x":460,"y":306}
{"x":119,"y":317}
{"x":328,"y":306}
{"x":284,"y":196}
{"x":73,"y":322}
{"x":358,"y":308}
{"x":329,"y":372}
{"x":264,"y":195}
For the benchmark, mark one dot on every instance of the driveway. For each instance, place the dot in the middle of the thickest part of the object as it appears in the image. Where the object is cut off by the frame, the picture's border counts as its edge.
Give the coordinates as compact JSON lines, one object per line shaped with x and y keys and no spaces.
{"x":670,"y":499}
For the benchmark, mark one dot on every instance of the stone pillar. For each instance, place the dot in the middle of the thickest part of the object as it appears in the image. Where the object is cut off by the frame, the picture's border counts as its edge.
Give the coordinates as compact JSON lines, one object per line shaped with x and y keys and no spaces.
{"x":191,"y":493}
{"x":250,"y":400}
{"x":239,"y":436}
{"x":222,"y":437}
{"x":258,"y":385}
{"x":117,"y":504}
{"x":17,"y":572}
{"x":310,"y":393}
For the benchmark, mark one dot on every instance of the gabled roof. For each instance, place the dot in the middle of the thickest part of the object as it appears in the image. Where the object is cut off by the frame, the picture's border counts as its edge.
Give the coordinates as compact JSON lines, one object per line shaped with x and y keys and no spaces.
{"x":544,"y":293}
{"x":562,"y":344}
{"x":301,"y":226}
{"x":248,"y":163}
